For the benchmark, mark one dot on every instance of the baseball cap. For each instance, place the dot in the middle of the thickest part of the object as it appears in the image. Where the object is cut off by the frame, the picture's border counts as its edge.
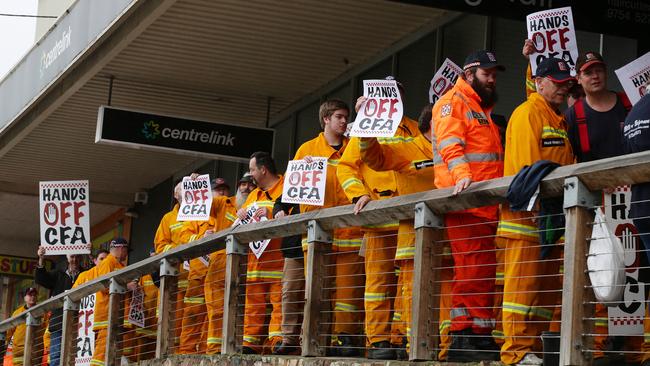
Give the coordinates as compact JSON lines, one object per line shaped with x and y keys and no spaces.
{"x":119,"y":242}
{"x":30,"y":290}
{"x":554,"y":69}
{"x":484,"y":59}
{"x":589,"y":58}
{"x":219,"y":182}
{"x":391,"y":77}
{"x":247,"y":178}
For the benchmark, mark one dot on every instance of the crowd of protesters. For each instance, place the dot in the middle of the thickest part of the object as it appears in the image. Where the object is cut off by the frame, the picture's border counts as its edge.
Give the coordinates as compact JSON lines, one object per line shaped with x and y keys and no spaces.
{"x":499,"y":295}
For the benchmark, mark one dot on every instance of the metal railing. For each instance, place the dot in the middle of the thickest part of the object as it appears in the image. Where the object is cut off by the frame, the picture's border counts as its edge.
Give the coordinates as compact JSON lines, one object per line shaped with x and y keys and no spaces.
{"x":576,"y":183}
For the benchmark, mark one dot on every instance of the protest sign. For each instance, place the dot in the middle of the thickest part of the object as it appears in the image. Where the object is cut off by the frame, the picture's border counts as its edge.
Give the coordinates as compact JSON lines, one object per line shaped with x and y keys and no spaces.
{"x":305,"y":182}
{"x":64,"y":217}
{"x":381,"y":113}
{"x":258,"y":246}
{"x":136,"y":308}
{"x":443,"y":80}
{"x":634,"y":76}
{"x":627,"y":317}
{"x":86,"y":335}
{"x":553,"y":35}
{"x":196,"y":199}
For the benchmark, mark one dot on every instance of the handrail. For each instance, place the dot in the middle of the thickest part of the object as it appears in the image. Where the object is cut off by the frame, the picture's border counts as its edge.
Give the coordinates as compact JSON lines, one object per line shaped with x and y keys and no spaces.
{"x":595,"y":175}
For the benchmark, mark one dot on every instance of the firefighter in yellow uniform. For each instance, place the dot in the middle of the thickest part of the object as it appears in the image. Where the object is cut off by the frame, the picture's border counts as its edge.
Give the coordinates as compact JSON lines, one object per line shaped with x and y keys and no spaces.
{"x":413,"y":163}
{"x":536,"y":131}
{"x":17,"y":335}
{"x":170,"y":234}
{"x":222,"y":216}
{"x":263,"y":274}
{"x":361,"y":184}
{"x":348,"y":267}
{"x":119,"y":251}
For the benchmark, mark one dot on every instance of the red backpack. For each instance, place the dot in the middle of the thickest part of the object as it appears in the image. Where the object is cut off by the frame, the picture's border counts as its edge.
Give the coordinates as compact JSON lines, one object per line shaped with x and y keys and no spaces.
{"x":581,"y":120}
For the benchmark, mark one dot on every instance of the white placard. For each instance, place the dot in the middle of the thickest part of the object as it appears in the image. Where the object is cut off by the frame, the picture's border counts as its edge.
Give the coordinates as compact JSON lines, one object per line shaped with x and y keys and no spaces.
{"x":65,"y":217}
{"x":553,"y":35}
{"x":444,"y":79}
{"x":86,"y":335}
{"x":627,"y":318}
{"x":304,"y":182}
{"x":381,"y":113}
{"x":136,"y":308}
{"x":257,"y":247}
{"x":196,"y":199}
{"x":634,"y":76}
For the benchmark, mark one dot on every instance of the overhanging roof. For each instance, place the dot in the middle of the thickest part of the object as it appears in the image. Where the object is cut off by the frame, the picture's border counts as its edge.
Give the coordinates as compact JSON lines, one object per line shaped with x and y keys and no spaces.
{"x":208,"y":60}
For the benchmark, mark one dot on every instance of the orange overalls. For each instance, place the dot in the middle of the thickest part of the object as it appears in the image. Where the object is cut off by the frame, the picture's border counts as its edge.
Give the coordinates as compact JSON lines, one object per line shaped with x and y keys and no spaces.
{"x":348,"y":268}
{"x":17,"y":337}
{"x":413,"y":163}
{"x":264,"y":280}
{"x":222,"y":215}
{"x":146,"y":337}
{"x":170,"y":234}
{"x":535,"y":132}
{"x":358,"y":179}
{"x":468,"y":146}
{"x":108,"y":265}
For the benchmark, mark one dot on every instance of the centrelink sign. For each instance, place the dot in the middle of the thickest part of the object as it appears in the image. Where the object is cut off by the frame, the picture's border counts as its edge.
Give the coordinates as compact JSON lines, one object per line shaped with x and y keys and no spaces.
{"x":143,"y":130}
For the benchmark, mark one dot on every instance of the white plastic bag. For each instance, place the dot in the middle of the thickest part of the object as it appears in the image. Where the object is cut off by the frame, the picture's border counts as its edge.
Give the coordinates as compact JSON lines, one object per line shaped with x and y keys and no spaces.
{"x":606,"y":262}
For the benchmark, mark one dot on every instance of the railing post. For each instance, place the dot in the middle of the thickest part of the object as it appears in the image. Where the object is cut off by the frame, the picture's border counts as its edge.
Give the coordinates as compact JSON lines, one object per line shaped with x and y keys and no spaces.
{"x":236,"y":255}
{"x":116,"y":293}
{"x":31,"y":340}
{"x":425,"y":309}
{"x":576,"y":296}
{"x":316,"y":313}
{"x":166,"y":307}
{"x":69,"y":331}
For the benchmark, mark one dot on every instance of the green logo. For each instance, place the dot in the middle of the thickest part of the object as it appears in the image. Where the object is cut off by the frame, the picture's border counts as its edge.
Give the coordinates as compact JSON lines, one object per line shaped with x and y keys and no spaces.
{"x":151,"y":130}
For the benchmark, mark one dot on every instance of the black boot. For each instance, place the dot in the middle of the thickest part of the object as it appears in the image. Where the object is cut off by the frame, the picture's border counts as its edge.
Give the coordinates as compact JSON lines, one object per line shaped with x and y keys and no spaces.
{"x":286,"y":349}
{"x":381,"y":351}
{"x":344,"y":346}
{"x":400,"y":350}
{"x":248,"y":351}
{"x":469,"y":347}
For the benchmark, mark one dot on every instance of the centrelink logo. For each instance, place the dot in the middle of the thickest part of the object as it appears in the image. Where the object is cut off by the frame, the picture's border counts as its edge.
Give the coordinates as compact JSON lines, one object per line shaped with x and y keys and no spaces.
{"x":151,"y":130}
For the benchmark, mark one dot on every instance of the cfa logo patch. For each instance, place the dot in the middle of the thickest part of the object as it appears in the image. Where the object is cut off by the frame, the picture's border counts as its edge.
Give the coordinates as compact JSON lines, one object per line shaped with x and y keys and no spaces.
{"x":445,"y":110}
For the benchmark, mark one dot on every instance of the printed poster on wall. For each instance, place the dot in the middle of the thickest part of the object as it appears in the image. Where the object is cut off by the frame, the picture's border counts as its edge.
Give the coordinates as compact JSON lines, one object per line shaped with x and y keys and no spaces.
{"x":381,"y":113}
{"x":86,"y":335}
{"x":634,"y":76}
{"x":304,"y":182}
{"x":258,"y":246}
{"x":65,"y":217}
{"x":443,"y":80}
{"x":196,"y":199}
{"x":553,"y":35}
{"x":627,"y":318}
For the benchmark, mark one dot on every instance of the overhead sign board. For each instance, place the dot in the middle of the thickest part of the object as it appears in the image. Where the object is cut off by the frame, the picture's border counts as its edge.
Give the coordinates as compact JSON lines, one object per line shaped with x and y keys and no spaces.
{"x":144,"y":130}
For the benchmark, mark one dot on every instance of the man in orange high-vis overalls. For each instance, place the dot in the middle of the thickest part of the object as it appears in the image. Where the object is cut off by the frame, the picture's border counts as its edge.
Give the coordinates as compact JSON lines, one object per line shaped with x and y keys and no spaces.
{"x":348,"y":266}
{"x":468,"y":149}
{"x":362,"y":184}
{"x":222,"y":216}
{"x":536,"y":131}
{"x":413,"y":163}
{"x":17,"y":335}
{"x":263,"y":274}
{"x":119,"y":251}
{"x":170,"y":234}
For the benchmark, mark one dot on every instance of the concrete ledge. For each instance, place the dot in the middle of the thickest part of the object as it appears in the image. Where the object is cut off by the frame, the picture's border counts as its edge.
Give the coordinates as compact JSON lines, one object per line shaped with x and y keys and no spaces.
{"x":255,"y":360}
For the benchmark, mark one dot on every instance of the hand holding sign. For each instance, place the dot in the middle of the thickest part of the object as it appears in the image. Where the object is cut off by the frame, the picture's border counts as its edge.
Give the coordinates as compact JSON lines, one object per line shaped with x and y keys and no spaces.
{"x":381,"y":113}
{"x":634,"y":76}
{"x":553,"y":35}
